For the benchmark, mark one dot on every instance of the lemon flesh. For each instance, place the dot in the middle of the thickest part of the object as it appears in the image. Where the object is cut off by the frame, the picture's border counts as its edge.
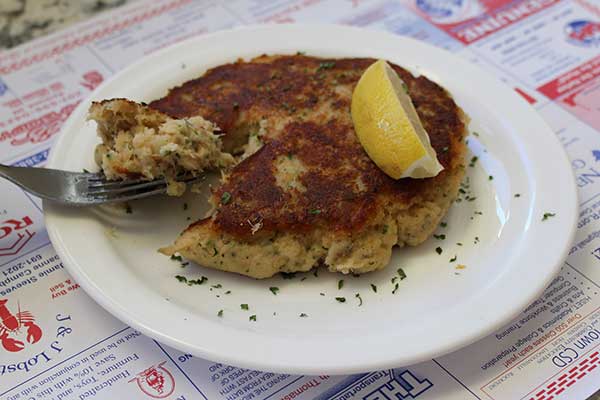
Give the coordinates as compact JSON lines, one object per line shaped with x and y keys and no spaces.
{"x":388,"y":127}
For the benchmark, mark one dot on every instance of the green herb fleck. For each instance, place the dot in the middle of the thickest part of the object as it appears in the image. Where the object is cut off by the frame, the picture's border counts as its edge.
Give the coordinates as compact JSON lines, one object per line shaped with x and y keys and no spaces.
{"x":473,"y":161}
{"x":340,"y":284}
{"x":357,"y":295}
{"x":453,"y":259}
{"x":475,"y":133}
{"x":322,"y":294}
{"x":217,"y":286}
{"x":443,"y":224}
{"x":402,"y":274}
{"x":303,"y":315}
{"x":225,"y":197}
{"x":288,"y":275}
{"x":459,"y":244}
{"x":490,"y":178}
{"x":374,"y":288}
{"x":244,"y":307}
{"x":228,"y":292}
{"x":517,"y":194}
{"x":252,"y":318}
{"x":395,"y":288}
{"x":300,"y":53}
{"x":314,"y":212}
{"x":326,"y":65}
{"x":394,"y":279}
{"x":438,"y":250}
{"x":548,"y":215}
{"x":181,"y":278}
{"x":440,"y":237}
{"x":385,"y":229}
{"x":198,"y":281}
{"x":274,"y":290}
{"x":340,"y":299}
{"x":476,"y":240}
{"x":86,"y":171}
{"x":220,"y":313}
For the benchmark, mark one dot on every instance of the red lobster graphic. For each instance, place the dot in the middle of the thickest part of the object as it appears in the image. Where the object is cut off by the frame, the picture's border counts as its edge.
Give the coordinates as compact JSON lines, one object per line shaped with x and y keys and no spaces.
{"x":10,"y":323}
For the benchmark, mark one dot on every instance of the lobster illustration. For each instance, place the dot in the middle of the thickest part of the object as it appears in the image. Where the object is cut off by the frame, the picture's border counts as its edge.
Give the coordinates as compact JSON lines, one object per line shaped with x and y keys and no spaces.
{"x":10,"y":323}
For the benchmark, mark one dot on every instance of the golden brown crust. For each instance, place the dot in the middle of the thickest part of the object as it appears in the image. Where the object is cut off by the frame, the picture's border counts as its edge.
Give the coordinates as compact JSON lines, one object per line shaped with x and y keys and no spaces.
{"x":305,"y":103}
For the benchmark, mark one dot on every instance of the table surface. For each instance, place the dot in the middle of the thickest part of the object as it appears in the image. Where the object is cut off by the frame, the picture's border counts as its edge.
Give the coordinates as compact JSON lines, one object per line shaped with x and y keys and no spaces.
{"x":24,"y":20}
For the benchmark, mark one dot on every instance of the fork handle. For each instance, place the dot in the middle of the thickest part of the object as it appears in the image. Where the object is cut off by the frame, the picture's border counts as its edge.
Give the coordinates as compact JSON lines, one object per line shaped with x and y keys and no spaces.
{"x":40,"y":182}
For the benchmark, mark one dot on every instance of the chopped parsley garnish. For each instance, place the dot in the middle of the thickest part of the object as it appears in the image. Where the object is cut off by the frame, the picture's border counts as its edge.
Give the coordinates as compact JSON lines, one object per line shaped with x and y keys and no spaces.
{"x":340,"y":284}
{"x":440,"y":237}
{"x":220,"y":313}
{"x":128,"y":208}
{"x":453,"y":259}
{"x":86,"y":171}
{"x":357,"y":295}
{"x":303,"y":279}
{"x":438,"y":250}
{"x":274,"y":290}
{"x":476,"y":240}
{"x":181,"y":278}
{"x":374,"y":288}
{"x":326,"y":65}
{"x":473,"y":161}
{"x":228,"y":292}
{"x":471,"y":198}
{"x":225,"y":197}
{"x":394,"y":279}
{"x":490,"y":178}
{"x":252,"y":318}
{"x":548,"y":215}
{"x":288,"y":275}
{"x":322,"y":294}
{"x":517,"y":194}
{"x":443,"y":224}
{"x":475,"y":133}
{"x":477,"y":213}
{"x":385,"y":229}
{"x":401,"y":273}
{"x":300,"y":53}
{"x":314,"y":212}
{"x":303,"y":315}
{"x":217,"y":286}
{"x":458,"y":243}
{"x":340,"y":299}
{"x":395,"y":288}
{"x":290,"y":156}
{"x":185,"y":206}
{"x":198,"y":281}
{"x":244,"y":306}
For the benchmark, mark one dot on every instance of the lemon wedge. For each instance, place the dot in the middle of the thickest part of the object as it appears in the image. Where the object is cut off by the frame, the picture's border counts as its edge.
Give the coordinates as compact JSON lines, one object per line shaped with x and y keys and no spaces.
{"x":388,"y":127}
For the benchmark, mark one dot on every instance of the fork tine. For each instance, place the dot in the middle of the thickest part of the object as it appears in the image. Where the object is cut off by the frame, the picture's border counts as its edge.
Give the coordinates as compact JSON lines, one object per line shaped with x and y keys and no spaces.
{"x":127,"y":191}
{"x":103,"y":182}
{"x":93,"y":198}
{"x":113,"y":189}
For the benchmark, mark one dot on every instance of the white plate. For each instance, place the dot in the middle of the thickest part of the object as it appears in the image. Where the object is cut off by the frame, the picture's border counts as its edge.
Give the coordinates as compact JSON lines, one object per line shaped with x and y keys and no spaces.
{"x":437,"y":309}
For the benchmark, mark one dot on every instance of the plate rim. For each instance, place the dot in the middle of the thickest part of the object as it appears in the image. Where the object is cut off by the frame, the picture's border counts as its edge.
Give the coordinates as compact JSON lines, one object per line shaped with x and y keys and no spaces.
{"x":117,"y":310}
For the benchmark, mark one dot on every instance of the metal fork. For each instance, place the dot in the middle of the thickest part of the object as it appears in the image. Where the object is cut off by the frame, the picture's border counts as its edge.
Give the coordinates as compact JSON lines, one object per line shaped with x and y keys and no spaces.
{"x":82,"y":188}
